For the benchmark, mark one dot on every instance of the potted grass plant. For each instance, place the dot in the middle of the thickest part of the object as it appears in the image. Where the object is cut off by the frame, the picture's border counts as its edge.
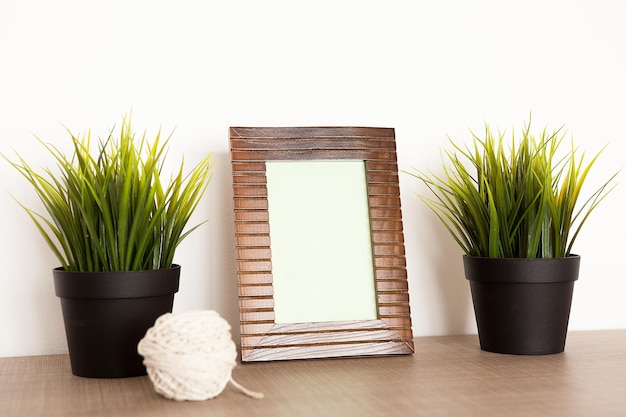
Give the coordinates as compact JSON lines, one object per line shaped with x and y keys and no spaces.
{"x":114,"y":224}
{"x":515,"y":210}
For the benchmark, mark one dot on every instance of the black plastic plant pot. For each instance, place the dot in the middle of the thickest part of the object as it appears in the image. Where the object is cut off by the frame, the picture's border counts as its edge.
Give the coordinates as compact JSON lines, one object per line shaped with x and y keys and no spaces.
{"x":107,"y":313}
{"x":522,"y":306}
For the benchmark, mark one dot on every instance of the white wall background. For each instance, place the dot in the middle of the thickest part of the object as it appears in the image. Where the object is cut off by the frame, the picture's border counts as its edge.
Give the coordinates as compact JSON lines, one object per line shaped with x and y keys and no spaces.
{"x":428,"y":69}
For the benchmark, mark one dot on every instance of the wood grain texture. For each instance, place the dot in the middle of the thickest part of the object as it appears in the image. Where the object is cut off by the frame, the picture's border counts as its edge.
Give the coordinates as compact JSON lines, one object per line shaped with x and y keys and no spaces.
{"x":447,"y":376}
{"x":261,"y":338}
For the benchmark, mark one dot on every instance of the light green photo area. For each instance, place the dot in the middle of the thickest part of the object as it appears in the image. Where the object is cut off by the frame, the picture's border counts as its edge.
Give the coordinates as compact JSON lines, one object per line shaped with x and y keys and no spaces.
{"x":322,"y":258}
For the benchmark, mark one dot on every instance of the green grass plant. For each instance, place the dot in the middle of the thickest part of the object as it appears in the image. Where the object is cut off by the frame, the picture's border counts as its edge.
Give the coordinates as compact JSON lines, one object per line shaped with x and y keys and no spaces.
{"x":111,"y":210}
{"x":513,"y":199}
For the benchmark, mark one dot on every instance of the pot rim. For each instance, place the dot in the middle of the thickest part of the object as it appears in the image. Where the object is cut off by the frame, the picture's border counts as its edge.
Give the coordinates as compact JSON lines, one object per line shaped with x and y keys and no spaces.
{"x":116,"y":284}
{"x":521,"y":270}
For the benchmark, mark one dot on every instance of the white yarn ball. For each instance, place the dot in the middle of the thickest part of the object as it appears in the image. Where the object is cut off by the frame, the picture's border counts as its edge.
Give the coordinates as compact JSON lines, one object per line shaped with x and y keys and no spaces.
{"x":190,"y":356}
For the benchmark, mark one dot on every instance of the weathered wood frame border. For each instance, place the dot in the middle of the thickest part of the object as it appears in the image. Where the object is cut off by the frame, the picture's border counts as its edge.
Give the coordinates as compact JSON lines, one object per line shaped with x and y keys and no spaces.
{"x":261,"y":338}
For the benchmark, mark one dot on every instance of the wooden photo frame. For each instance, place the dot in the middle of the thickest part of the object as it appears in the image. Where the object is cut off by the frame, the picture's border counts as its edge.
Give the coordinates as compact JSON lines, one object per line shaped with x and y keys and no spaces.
{"x":262,"y":337}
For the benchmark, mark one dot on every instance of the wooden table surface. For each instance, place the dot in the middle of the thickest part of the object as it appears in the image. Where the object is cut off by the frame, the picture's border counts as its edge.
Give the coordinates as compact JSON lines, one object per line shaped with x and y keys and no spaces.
{"x":447,"y":376}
